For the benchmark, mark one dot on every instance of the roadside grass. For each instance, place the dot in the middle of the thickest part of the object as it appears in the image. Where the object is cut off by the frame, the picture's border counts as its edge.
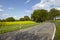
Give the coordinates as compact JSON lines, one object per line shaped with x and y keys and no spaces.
{"x":57,"y":36}
{"x":57,"y":21}
{"x":13,"y":26}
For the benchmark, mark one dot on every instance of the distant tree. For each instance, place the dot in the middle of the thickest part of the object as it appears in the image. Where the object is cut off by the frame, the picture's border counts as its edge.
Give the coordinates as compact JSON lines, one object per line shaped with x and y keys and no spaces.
{"x":26,"y":18}
{"x":0,"y":20}
{"x":39,"y":15}
{"x":10,"y":19}
{"x":21,"y":19}
{"x":54,"y":13}
{"x":3,"y":20}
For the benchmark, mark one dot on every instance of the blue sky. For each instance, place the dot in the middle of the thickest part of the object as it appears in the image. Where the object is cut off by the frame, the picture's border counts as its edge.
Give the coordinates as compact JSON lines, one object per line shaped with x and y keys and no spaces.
{"x":20,"y":8}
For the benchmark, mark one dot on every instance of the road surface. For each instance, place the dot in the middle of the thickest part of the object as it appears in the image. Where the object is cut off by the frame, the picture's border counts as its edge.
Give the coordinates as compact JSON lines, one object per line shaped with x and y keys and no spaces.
{"x":42,"y":31}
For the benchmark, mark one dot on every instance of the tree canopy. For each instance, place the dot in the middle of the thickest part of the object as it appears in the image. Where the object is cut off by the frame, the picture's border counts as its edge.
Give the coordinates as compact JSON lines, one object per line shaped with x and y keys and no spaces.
{"x":10,"y":19}
{"x":26,"y":18}
{"x":39,"y":15}
{"x":54,"y":13}
{"x":44,"y":15}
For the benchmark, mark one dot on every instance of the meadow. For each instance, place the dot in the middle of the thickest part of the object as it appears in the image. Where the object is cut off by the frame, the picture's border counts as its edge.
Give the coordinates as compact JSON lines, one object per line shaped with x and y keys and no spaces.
{"x":57,"y":36}
{"x":13,"y":26}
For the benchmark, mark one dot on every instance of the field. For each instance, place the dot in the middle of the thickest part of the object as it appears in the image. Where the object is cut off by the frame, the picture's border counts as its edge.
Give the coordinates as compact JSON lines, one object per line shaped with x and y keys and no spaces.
{"x":57,"y":36}
{"x":12,"y":26}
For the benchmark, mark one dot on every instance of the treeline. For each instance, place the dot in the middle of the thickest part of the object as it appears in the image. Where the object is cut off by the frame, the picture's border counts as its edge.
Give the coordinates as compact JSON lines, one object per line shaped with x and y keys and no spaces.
{"x":44,"y":15}
{"x":38,"y":16}
{"x":11,"y":19}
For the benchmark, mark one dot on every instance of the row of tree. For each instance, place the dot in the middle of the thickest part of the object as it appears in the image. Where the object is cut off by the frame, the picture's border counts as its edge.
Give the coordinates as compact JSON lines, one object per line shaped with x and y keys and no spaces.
{"x":9,"y":19}
{"x":38,"y":16}
{"x":44,"y":15}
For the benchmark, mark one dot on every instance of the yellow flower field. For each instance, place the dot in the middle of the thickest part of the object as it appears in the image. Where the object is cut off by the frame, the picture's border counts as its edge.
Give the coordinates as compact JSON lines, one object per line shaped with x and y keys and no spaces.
{"x":17,"y":23}
{"x":13,"y":26}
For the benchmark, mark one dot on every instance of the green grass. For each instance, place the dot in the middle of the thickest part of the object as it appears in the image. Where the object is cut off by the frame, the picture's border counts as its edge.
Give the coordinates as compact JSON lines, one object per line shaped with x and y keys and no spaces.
{"x":13,"y":26}
{"x":57,"y":36}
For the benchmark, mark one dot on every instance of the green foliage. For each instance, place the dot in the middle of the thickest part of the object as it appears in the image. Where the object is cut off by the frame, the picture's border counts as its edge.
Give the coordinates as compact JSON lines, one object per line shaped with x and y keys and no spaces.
{"x":44,"y":15}
{"x":21,"y":19}
{"x":13,"y":26}
{"x":40,"y":15}
{"x":0,"y":20}
{"x":57,"y":36}
{"x":54,"y":13}
{"x":10,"y":19}
{"x":26,"y":18}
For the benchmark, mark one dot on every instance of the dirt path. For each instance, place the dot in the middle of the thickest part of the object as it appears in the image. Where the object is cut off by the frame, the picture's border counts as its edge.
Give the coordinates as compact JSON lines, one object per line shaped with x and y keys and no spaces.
{"x":43,"y":31}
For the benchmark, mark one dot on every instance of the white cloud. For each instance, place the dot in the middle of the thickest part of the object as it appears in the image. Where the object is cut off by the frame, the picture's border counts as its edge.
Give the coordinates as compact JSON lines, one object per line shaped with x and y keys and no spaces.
{"x":1,"y":10}
{"x":58,"y":8}
{"x":1,"y":6}
{"x":28,"y":1}
{"x":27,"y":11}
{"x":10,"y":8}
{"x":47,"y":4}
{"x":4,"y":16}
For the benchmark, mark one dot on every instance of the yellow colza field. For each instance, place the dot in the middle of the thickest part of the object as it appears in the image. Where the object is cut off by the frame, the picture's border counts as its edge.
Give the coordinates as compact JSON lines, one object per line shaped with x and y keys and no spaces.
{"x":17,"y":23}
{"x":12,"y":26}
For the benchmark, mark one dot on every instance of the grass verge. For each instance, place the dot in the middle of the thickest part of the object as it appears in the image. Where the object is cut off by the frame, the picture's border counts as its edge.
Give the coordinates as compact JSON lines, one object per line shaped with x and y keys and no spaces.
{"x":57,"y":36}
{"x":13,"y":26}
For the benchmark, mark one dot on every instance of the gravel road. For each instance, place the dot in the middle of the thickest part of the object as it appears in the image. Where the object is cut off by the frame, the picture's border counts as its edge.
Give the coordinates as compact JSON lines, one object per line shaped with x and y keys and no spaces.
{"x":42,"y":31}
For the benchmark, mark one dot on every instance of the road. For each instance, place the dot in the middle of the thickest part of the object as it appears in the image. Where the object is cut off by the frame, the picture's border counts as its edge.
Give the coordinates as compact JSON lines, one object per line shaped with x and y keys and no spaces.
{"x":42,"y":31}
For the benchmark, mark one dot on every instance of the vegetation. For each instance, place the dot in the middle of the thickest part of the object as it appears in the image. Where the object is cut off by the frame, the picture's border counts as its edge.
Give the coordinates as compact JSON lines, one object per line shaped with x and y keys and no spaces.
{"x":44,"y":15}
{"x":12,"y":26}
{"x":26,"y":18}
{"x":40,"y":15}
{"x":54,"y":13}
{"x":57,"y":36}
{"x":10,"y":19}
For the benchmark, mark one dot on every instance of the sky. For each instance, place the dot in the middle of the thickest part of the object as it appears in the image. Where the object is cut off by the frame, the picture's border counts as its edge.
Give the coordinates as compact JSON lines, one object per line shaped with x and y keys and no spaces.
{"x":21,"y":8}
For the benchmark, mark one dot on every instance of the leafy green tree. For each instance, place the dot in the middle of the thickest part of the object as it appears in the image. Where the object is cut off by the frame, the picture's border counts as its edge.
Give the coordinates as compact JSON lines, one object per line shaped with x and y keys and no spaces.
{"x":54,"y":13}
{"x":10,"y":19}
{"x":21,"y":19}
{"x":26,"y":18}
{"x":39,"y":15}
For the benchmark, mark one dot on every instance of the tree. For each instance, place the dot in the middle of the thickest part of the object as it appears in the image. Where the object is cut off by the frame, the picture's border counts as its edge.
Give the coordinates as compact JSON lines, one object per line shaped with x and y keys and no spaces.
{"x":10,"y":19}
{"x":21,"y":19}
{"x":54,"y":13}
{"x":26,"y":18}
{"x":0,"y":20}
{"x":39,"y":15}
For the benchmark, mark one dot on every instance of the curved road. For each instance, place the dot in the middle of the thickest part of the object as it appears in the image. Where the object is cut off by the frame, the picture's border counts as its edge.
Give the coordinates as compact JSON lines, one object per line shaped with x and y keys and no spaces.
{"x":43,"y":31}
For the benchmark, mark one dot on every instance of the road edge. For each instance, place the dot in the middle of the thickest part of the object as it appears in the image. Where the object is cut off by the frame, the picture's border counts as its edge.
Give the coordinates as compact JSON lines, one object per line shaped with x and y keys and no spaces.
{"x":54,"y":32}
